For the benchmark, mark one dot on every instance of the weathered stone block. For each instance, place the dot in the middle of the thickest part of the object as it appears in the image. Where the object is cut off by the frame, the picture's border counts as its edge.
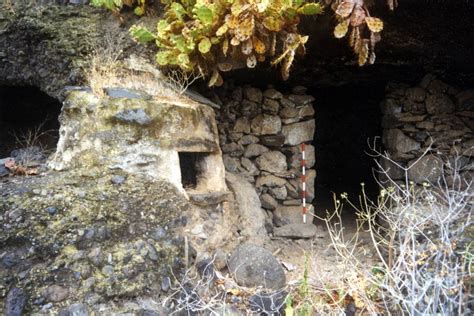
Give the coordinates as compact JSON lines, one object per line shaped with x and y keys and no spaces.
{"x":273,"y":140}
{"x":253,"y":94}
{"x":296,"y":231}
{"x":439,"y":103}
{"x":273,"y":162}
{"x":265,"y":124}
{"x":254,"y":150}
{"x":298,"y":133}
{"x":242,"y":125}
{"x":429,"y":168}
{"x":270,"y":181}
{"x":285,"y":215}
{"x":397,"y":142}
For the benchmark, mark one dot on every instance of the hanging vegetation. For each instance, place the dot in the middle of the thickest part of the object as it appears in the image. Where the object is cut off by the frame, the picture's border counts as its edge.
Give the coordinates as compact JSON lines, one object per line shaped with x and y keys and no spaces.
{"x":215,"y":36}
{"x":364,"y":31}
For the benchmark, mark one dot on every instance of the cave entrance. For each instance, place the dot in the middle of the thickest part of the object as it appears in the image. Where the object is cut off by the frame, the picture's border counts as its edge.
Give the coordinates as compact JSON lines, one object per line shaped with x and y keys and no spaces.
{"x":190,"y":164}
{"x":347,"y":117}
{"x":28,"y":119}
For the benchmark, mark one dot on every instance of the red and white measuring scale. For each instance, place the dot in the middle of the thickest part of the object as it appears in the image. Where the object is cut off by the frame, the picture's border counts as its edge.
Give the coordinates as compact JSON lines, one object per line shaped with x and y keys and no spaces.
{"x":303,"y":182}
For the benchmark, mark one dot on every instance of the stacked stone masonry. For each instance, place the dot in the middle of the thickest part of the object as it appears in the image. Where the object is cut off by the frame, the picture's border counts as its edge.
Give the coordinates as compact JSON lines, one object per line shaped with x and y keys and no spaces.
{"x":261,"y":133}
{"x":428,"y":128}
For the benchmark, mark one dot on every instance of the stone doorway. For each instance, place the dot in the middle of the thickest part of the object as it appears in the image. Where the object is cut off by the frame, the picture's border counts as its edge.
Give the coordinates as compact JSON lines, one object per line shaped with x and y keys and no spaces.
{"x":348,"y":119}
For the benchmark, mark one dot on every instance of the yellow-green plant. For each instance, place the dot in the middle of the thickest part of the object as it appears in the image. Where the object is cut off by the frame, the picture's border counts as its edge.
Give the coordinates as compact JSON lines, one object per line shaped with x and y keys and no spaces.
{"x":364,"y":31}
{"x":117,"y":5}
{"x":221,"y":35}
{"x":214,"y":36}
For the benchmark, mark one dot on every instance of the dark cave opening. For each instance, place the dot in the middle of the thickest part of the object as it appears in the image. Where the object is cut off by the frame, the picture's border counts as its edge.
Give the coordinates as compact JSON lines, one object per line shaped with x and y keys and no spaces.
{"x":348,"y":121}
{"x":28,"y":118}
{"x":189,"y":163}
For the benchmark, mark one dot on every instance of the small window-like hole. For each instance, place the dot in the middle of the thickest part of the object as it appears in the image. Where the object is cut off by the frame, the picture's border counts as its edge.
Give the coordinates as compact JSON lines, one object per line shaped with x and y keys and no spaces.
{"x":189,"y":163}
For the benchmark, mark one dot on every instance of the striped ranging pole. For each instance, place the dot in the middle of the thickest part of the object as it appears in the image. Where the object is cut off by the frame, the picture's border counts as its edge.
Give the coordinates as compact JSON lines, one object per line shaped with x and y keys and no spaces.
{"x":303,"y":182}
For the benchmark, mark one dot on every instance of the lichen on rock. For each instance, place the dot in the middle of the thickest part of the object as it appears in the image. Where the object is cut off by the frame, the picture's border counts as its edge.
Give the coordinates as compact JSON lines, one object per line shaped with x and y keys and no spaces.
{"x":70,"y":236}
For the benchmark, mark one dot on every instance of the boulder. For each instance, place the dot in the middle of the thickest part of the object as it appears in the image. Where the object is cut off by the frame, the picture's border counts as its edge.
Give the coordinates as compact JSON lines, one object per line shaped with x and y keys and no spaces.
{"x":270,"y":106}
{"x":301,"y":99}
{"x":233,"y":149}
{"x":265,"y":124}
{"x":273,"y":162}
{"x":268,"y":202}
{"x":254,"y":150}
{"x":285,"y":215}
{"x":56,"y":293}
{"x":296,"y":231}
{"x":416,"y":94}
{"x":249,"y":166}
{"x":270,"y":181}
{"x":439,"y":104}
{"x":254,"y":266}
{"x":273,"y":140}
{"x":306,"y":111}
{"x":273,"y":94}
{"x":310,"y":159}
{"x":248,"y":139}
{"x":279,"y":193}
{"x":253,"y":94}
{"x":242,"y":125}
{"x":249,"y":207}
{"x":289,"y":112}
{"x":397,"y":142}
{"x":298,"y":133}
{"x":231,"y":164}
{"x":428,"y":169}
{"x":15,"y":302}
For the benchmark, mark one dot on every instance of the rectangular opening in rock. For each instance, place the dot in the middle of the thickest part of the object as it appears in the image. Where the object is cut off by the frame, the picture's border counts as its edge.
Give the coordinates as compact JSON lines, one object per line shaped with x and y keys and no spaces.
{"x":191,"y":168}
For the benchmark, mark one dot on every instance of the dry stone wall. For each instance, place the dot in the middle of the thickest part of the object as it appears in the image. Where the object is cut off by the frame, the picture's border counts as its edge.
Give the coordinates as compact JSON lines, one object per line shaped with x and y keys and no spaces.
{"x":428,"y":128}
{"x":261,"y":132}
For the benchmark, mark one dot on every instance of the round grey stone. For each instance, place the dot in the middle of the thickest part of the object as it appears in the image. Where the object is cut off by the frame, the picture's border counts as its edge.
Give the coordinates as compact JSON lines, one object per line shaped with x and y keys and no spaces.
{"x":254,"y":266}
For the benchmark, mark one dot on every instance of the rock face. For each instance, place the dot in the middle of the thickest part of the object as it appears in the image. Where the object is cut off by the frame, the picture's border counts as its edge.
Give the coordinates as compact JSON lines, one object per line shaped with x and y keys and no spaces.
{"x":104,"y":241}
{"x":270,"y":128}
{"x":431,"y":117}
{"x":249,"y":207}
{"x":141,"y":136}
{"x":46,"y":46}
{"x":254,"y":266}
